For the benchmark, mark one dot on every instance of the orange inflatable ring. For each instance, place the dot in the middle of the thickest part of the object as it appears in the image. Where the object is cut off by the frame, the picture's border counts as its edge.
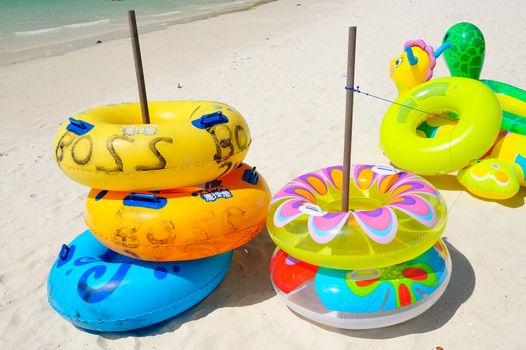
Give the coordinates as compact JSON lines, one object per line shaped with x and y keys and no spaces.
{"x":181,"y":224}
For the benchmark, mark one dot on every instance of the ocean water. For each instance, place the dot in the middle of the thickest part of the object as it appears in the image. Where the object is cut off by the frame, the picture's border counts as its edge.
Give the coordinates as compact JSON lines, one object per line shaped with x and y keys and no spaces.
{"x":33,"y":28}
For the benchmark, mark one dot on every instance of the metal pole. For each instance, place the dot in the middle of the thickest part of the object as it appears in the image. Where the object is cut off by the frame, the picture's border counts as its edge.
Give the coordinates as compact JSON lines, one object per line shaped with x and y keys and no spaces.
{"x":348,"y":119}
{"x":138,"y":66}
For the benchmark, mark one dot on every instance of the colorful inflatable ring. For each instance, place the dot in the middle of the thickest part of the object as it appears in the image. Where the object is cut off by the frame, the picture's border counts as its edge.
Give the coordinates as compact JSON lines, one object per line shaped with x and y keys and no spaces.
{"x":182,"y":224}
{"x":187,"y":143}
{"x":480,"y":119}
{"x":362,"y":299}
{"x":395,"y":216}
{"x":97,"y":289}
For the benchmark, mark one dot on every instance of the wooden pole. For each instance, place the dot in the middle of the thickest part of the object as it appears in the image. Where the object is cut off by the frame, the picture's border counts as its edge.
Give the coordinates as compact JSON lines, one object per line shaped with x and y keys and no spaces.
{"x":348,"y":118}
{"x":138,"y":66}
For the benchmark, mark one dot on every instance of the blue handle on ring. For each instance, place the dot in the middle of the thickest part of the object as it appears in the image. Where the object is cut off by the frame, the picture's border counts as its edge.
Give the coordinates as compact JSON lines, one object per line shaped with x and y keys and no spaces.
{"x":64,"y":251}
{"x":145,"y":200}
{"x":79,"y":127}
{"x":209,"y":120}
{"x":250,"y":176}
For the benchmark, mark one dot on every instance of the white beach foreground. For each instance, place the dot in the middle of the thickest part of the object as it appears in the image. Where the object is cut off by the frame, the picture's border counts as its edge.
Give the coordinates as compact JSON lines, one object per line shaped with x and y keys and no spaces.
{"x":282,"y":65}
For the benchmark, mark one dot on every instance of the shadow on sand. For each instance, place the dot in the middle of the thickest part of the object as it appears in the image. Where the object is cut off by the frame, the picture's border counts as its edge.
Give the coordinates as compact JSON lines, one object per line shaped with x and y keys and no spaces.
{"x":449,"y":182}
{"x":445,"y":182}
{"x":516,"y":201}
{"x":459,"y":290}
{"x":247,"y":283}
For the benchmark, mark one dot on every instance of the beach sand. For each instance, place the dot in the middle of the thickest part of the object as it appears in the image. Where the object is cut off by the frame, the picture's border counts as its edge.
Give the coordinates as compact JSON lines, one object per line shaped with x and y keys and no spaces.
{"x":283,"y":66}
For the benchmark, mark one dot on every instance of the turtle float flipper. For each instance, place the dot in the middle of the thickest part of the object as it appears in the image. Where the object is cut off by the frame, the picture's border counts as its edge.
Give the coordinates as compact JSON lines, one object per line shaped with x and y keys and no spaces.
{"x":491,"y":178}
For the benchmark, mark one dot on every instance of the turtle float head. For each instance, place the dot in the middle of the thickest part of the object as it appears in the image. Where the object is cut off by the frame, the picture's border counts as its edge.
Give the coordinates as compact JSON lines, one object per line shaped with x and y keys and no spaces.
{"x":414,"y":66}
{"x":467,"y":47}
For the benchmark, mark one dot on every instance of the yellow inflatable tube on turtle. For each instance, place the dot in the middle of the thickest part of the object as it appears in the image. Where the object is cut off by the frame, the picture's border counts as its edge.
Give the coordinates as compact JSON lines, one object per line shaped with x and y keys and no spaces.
{"x":474,"y":134}
{"x":187,"y":143}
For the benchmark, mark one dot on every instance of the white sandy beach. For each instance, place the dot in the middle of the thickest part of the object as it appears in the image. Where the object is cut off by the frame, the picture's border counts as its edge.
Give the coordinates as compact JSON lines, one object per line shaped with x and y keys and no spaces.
{"x":283,"y":66}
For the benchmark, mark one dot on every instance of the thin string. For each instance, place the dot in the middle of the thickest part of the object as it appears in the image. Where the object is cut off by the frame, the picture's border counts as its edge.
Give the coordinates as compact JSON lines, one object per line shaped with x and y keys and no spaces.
{"x":357,"y":89}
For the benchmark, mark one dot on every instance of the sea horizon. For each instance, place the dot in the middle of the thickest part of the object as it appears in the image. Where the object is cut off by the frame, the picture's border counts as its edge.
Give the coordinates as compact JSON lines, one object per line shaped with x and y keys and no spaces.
{"x":31,"y":29}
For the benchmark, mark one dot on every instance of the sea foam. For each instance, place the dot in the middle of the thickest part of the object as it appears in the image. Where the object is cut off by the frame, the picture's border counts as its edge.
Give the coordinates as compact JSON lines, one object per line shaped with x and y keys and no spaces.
{"x":60,"y":28}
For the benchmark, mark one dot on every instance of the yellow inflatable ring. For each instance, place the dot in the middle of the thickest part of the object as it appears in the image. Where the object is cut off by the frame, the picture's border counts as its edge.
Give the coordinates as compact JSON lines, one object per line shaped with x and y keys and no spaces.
{"x":394,"y":217}
{"x":480,"y":118}
{"x":187,"y":143}
{"x":181,"y":224}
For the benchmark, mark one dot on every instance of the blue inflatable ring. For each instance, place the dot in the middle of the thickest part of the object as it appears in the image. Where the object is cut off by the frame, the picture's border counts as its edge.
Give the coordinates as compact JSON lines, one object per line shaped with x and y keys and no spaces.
{"x":97,"y":289}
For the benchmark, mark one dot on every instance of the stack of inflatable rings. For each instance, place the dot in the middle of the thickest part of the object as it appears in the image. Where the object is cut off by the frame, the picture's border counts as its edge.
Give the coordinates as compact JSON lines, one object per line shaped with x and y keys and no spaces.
{"x":379,"y":264}
{"x":170,"y":200}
